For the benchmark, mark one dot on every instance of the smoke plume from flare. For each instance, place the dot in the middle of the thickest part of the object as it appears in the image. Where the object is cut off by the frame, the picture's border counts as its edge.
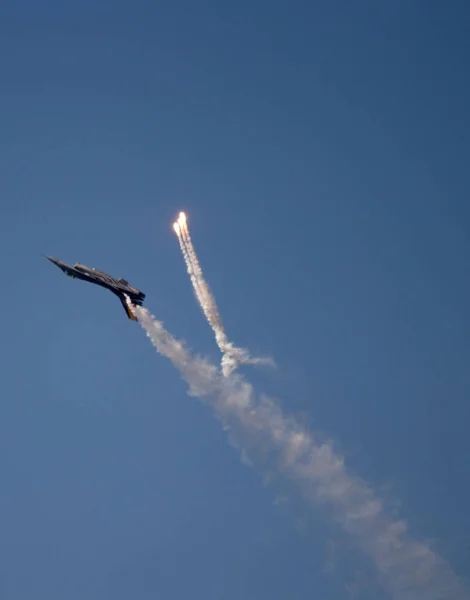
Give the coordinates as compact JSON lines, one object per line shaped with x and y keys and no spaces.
{"x":232,"y":356}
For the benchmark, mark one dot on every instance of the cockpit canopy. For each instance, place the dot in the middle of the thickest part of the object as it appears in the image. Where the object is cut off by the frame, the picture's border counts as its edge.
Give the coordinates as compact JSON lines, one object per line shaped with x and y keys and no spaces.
{"x":84,"y":268}
{"x":123,"y":281}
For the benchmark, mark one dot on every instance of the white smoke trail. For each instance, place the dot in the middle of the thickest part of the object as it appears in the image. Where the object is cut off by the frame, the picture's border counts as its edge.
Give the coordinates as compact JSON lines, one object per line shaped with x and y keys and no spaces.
{"x":232,"y":356}
{"x":209,"y":305}
{"x":190,"y":267}
{"x":408,"y":568}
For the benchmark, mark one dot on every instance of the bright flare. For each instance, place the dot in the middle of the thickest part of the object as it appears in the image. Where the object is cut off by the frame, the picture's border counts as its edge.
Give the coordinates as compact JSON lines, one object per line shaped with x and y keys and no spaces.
{"x":176,"y":227}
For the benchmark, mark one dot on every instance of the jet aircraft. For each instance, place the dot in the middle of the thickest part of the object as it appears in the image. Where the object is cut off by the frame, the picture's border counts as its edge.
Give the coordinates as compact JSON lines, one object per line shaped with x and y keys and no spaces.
{"x":120,"y":287}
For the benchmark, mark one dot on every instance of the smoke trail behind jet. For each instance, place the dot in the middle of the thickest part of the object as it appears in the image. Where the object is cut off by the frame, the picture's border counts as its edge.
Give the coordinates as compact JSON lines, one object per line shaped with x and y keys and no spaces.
{"x":408,"y":568}
{"x":232,"y":356}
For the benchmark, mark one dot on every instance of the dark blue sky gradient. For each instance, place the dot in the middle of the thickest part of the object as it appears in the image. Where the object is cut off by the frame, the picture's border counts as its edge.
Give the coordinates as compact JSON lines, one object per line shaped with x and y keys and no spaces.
{"x":321,"y":152}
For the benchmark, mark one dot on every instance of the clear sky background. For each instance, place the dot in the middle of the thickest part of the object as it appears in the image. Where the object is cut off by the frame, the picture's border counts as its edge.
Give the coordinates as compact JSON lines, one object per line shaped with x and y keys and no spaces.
{"x":321,"y":152}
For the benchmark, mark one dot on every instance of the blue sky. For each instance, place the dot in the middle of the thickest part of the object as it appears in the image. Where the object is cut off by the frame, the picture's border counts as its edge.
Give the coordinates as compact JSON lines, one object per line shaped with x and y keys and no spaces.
{"x":320,"y":151}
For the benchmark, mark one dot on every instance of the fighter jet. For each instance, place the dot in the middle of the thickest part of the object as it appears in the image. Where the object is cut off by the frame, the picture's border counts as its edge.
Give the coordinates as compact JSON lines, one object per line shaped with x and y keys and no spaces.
{"x":120,"y":287}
